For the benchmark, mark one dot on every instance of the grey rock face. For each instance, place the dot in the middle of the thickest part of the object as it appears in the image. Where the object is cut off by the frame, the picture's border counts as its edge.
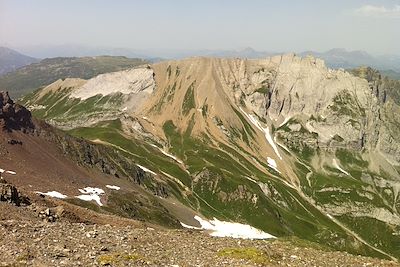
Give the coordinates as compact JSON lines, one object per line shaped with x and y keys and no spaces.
{"x":330,"y":103}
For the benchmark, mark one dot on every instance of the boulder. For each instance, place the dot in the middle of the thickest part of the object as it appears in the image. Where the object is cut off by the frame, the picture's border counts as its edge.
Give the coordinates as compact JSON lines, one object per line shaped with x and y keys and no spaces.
{"x":9,"y":193}
{"x":51,"y":214}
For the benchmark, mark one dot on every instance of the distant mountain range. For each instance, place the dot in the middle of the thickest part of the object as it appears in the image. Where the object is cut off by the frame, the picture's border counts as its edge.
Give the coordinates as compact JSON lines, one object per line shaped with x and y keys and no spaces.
{"x":335,"y":58}
{"x":11,"y":60}
{"x":341,"y":58}
{"x":51,"y":51}
{"x":33,"y":76}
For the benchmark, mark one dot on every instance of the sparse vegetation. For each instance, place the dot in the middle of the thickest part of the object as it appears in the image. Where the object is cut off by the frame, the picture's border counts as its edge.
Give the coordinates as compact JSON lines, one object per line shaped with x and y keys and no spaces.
{"x":117,"y":258}
{"x":344,"y":104}
{"x":188,"y":101}
{"x":250,"y":254}
{"x":263,"y":90}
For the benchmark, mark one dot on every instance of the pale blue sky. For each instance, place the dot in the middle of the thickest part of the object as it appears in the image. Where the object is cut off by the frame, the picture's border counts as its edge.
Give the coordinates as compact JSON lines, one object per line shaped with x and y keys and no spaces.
{"x":284,"y":25}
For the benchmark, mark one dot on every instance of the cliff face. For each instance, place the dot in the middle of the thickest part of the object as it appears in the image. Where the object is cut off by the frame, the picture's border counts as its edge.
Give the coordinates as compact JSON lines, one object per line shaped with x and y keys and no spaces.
{"x":342,"y":110}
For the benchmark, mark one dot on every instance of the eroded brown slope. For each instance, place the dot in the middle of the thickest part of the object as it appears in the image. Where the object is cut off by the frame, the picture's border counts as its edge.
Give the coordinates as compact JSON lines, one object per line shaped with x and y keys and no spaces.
{"x":39,"y":158}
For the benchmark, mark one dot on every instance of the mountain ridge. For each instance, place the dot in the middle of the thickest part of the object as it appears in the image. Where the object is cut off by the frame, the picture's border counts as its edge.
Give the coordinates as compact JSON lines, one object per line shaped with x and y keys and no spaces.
{"x":241,"y":137}
{"x":10,"y":60}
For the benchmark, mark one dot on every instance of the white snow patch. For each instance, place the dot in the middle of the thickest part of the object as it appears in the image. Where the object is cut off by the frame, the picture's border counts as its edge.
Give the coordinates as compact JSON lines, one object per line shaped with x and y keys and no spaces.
{"x":90,"y":198}
{"x":271,"y":142}
{"x":91,"y":193}
{"x":272,"y":164}
{"x":113,"y":187}
{"x":190,"y":227}
{"x":228,"y":229}
{"x":253,"y":120}
{"x":284,"y":122}
{"x":36,"y":107}
{"x":288,"y":184}
{"x":251,"y":179}
{"x":54,"y":194}
{"x":329,"y":216}
{"x":125,"y":109}
{"x":167,"y":154}
{"x":171,"y":156}
{"x":282,"y":146}
{"x":336,"y":165}
{"x":310,"y":128}
{"x":91,"y":190}
{"x":4,"y":171}
{"x":146,"y":170}
{"x":268,"y":136}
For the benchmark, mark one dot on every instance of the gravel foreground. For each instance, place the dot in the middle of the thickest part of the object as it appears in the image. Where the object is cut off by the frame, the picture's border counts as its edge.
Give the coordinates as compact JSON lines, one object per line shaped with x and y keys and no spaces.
{"x":27,"y":243}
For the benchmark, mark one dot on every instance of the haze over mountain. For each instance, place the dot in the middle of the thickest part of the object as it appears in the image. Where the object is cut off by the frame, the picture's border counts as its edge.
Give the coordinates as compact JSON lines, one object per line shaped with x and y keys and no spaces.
{"x":341,"y":58}
{"x":11,"y":60}
{"x":335,"y":57}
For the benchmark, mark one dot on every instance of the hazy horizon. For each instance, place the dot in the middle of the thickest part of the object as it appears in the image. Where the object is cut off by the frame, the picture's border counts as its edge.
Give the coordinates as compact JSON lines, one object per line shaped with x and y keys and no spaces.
{"x":178,"y":25}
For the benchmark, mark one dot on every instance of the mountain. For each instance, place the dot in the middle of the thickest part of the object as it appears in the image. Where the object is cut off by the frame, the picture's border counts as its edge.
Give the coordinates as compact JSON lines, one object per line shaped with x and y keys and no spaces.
{"x":391,"y":74}
{"x":34,"y":76}
{"x":11,"y":60}
{"x":247,"y":52}
{"x":335,"y":58}
{"x":341,"y":58}
{"x":283,"y":144}
{"x":75,"y":50}
{"x":57,"y":191}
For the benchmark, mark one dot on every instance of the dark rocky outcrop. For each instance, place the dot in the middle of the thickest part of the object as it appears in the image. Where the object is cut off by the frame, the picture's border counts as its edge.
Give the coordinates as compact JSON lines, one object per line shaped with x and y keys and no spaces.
{"x":14,"y":116}
{"x":105,"y":159}
{"x":10,"y":194}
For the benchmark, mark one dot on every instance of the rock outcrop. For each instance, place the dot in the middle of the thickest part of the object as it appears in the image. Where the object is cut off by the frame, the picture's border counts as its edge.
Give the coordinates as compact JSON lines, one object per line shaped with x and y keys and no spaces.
{"x":13,"y":116}
{"x":133,"y":81}
{"x":9,"y":193}
{"x":51,"y":214}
